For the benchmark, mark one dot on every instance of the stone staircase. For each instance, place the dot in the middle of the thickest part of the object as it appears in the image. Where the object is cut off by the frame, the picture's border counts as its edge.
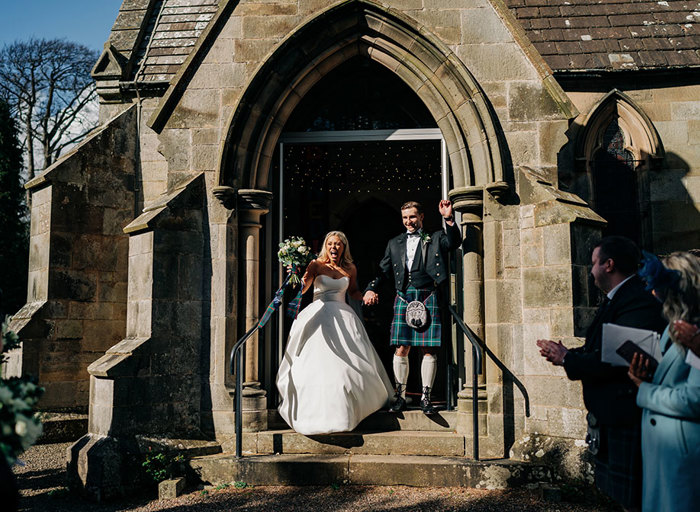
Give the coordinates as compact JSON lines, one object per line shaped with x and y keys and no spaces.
{"x":385,"y":449}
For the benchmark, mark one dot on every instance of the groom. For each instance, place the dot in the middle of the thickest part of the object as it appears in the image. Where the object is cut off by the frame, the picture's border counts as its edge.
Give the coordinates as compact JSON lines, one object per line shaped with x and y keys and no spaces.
{"x":416,"y":261}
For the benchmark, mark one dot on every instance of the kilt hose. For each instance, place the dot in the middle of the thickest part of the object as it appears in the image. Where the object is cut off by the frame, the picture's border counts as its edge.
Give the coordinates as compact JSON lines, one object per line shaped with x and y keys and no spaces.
{"x":402,"y":333}
{"x":618,"y":464}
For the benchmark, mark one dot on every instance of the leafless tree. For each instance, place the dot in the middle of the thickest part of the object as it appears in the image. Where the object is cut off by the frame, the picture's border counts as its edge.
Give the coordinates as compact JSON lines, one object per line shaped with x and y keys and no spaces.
{"x":48,"y":86}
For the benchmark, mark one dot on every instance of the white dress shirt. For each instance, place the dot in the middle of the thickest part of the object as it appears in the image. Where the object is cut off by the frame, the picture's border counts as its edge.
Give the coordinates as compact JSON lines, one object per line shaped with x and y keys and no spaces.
{"x":412,"y":243}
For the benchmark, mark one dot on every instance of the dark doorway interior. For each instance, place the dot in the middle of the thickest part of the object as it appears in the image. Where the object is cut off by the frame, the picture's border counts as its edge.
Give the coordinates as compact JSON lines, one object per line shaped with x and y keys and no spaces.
{"x":358,"y":188}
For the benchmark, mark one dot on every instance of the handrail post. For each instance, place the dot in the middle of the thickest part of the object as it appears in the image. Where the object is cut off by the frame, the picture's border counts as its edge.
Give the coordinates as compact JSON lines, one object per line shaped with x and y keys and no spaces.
{"x":238,"y":405}
{"x":475,"y":406}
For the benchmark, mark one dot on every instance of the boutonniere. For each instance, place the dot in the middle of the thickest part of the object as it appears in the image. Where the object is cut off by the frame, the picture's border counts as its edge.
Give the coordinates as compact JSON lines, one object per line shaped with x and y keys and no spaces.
{"x":424,"y":237}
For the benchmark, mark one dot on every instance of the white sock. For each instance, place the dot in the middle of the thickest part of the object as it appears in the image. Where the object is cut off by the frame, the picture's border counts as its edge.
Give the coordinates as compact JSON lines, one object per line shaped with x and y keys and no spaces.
{"x":401,"y":373}
{"x":428,"y":368}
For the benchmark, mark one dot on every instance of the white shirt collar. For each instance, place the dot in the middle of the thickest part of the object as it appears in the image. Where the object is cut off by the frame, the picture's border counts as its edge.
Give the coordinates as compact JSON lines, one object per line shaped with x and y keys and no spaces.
{"x":612,"y":292}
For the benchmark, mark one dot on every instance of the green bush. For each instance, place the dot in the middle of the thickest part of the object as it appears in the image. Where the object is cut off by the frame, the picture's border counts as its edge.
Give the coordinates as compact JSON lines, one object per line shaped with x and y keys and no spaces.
{"x":19,"y":425}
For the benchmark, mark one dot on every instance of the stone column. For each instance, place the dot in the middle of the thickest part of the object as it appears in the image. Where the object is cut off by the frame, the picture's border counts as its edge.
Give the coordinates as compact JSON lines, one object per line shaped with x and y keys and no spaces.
{"x":252,"y":205}
{"x":469,"y":201}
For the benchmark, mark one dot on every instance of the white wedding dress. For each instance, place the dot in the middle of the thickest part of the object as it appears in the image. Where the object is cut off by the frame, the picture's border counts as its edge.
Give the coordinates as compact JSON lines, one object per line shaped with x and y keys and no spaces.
{"x":330,"y":378}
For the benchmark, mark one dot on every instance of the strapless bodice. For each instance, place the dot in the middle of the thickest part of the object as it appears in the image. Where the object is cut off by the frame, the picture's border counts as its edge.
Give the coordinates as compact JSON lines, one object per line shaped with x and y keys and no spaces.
{"x":328,"y":289}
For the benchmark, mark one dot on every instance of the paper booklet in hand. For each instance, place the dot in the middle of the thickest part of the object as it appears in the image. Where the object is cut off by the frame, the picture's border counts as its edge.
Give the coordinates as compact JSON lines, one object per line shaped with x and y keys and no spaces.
{"x":618,"y":352}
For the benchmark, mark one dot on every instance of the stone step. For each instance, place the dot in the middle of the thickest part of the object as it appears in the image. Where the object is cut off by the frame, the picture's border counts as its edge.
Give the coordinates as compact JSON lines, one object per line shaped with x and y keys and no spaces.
{"x":385,"y":420}
{"x":425,"y":471}
{"x":398,"y":442}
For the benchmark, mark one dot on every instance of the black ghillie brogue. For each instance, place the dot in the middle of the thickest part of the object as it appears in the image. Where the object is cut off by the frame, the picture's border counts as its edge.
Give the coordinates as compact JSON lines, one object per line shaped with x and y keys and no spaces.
{"x":425,"y":404}
{"x":399,"y":401}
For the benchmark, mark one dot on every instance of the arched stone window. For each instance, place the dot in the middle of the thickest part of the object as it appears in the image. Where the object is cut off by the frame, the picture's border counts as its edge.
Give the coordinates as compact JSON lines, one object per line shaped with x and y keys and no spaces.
{"x":617,"y":149}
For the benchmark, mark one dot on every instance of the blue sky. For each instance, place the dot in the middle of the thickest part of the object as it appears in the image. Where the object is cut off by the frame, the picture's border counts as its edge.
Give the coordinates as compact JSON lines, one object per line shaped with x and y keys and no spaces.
{"x":83,"y":21}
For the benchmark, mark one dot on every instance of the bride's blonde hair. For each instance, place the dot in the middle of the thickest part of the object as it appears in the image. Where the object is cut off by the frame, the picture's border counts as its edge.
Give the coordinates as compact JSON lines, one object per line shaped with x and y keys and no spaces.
{"x":345,"y":257}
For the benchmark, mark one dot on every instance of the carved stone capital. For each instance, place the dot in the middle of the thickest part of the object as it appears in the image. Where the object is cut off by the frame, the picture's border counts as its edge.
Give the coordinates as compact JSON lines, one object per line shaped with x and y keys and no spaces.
{"x":498,"y":189}
{"x":253,"y":199}
{"x":226,"y":195}
{"x":468,"y":200}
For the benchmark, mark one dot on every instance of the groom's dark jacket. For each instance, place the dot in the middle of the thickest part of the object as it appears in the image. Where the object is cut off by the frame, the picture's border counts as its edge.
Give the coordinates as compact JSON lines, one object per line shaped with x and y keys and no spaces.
{"x":432,"y":252}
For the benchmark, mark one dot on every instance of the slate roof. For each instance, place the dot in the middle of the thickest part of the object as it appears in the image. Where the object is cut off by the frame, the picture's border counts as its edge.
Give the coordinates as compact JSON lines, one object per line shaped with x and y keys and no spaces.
{"x":609,"y":35}
{"x":156,"y":36}
{"x":169,"y":31}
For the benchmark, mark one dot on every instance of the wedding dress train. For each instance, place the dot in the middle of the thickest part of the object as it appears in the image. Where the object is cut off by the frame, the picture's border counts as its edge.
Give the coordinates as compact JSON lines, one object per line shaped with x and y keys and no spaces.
{"x":330,"y":378}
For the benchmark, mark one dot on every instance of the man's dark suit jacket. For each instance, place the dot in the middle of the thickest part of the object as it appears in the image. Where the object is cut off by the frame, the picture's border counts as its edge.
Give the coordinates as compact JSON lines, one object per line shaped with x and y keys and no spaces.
{"x":393,"y":264}
{"x":607,"y":390}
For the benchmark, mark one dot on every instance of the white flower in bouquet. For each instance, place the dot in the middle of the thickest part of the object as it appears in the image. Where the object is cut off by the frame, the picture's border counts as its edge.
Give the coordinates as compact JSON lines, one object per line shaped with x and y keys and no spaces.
{"x":295,"y":253}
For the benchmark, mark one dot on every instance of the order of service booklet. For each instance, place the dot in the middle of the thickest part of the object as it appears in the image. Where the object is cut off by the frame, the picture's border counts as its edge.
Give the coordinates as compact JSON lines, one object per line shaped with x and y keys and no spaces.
{"x":617,"y":350}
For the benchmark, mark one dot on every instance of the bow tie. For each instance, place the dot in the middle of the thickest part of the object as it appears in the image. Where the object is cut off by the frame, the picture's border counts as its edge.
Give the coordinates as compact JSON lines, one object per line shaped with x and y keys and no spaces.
{"x":414,"y":234}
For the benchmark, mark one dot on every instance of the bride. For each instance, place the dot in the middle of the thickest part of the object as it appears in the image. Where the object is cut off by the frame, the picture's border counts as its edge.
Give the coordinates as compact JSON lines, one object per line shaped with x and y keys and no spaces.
{"x":331,"y":378}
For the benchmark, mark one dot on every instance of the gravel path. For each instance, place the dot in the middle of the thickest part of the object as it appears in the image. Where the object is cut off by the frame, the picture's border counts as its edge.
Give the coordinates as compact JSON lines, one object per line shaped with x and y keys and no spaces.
{"x":41,"y":482}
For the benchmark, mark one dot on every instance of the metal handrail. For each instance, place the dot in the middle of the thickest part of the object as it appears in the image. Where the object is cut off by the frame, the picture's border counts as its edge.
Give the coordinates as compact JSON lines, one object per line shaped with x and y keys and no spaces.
{"x":235,"y":363}
{"x":478,"y":349}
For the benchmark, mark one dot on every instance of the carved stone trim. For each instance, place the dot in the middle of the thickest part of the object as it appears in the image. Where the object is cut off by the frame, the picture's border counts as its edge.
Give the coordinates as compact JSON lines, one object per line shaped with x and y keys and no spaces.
{"x":469,"y":200}
{"x":226,"y":196}
{"x":254,"y":199}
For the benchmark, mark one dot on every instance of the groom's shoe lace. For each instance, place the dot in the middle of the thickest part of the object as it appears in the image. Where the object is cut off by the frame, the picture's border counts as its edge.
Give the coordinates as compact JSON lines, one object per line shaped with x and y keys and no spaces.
{"x":425,"y":404}
{"x":399,"y":401}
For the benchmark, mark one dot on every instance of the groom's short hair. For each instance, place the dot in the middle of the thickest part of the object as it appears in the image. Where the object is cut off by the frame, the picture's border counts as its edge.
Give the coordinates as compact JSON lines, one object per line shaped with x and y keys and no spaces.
{"x":412,"y":204}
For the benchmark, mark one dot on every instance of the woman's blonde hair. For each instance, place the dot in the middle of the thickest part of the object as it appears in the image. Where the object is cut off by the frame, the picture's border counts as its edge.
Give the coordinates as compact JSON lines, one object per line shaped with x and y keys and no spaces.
{"x":683,"y":303}
{"x":345,"y":257}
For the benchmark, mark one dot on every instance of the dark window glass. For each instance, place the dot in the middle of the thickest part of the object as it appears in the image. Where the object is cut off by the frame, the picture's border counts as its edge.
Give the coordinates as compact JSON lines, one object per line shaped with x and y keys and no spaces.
{"x":615,"y":185}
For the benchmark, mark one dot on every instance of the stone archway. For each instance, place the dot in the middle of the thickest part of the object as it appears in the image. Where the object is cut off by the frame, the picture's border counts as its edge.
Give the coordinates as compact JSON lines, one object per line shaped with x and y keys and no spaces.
{"x":361,"y":27}
{"x":434,"y":73}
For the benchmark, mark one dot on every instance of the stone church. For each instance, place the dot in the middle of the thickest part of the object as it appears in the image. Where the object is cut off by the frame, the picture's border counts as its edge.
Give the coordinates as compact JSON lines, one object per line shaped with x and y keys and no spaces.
{"x":227,"y":126}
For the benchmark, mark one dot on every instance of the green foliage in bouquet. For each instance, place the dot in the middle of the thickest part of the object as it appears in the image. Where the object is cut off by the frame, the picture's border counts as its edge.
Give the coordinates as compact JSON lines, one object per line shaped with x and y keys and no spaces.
{"x":295,"y":253}
{"x":19,"y":425}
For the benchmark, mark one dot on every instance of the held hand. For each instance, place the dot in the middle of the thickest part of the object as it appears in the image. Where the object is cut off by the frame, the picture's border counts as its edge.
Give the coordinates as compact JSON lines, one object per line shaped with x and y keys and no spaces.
{"x":686,"y":334}
{"x":639,"y":369}
{"x":445,"y":208}
{"x":554,"y":352}
{"x":370,"y":298}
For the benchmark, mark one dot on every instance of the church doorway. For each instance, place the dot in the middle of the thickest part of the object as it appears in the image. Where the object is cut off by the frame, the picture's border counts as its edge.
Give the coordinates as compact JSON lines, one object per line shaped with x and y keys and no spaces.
{"x":357,"y":147}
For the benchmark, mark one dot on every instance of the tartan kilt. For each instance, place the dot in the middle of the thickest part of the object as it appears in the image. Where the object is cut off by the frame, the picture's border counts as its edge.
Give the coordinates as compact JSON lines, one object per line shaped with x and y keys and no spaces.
{"x":402,"y":334}
{"x":618,"y":464}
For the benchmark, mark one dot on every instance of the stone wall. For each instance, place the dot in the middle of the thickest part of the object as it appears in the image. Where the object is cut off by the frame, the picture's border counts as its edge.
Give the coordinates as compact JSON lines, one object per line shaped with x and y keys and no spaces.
{"x":151,"y":381}
{"x":76,"y":304}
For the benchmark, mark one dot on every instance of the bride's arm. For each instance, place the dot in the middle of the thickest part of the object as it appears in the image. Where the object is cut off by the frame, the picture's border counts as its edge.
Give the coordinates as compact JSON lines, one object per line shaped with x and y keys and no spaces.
{"x":308,"y":279}
{"x":353,"y":290}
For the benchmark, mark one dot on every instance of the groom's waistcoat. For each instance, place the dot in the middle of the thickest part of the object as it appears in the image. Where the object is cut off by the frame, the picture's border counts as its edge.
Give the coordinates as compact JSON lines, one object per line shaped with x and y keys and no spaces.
{"x":430,"y":271}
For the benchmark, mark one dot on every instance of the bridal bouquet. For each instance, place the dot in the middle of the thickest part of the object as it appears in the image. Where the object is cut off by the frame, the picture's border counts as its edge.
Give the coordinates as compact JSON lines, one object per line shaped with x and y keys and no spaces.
{"x":295,"y":253}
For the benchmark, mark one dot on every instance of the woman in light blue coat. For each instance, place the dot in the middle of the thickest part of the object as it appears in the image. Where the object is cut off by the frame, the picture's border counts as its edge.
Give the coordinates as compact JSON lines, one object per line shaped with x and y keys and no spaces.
{"x":671,"y":401}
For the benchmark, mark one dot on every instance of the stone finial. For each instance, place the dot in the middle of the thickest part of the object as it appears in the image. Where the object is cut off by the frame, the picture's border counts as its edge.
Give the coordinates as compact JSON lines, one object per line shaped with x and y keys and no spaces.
{"x":108,"y":72}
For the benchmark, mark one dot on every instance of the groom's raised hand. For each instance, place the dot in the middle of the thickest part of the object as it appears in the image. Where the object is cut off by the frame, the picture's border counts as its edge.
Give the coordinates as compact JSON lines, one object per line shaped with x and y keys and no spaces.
{"x":445,"y":208}
{"x":370,"y":298}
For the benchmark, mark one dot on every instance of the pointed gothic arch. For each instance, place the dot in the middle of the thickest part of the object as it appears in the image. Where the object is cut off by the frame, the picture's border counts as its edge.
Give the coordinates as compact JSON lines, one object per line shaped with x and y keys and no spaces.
{"x":617,"y":148}
{"x":339,"y":33}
